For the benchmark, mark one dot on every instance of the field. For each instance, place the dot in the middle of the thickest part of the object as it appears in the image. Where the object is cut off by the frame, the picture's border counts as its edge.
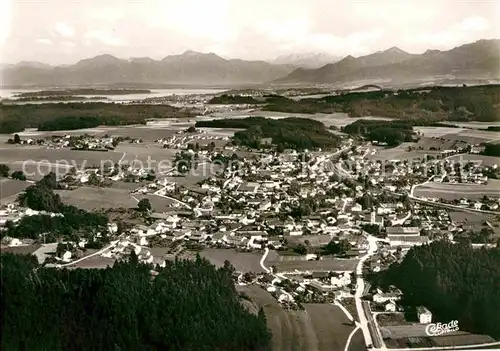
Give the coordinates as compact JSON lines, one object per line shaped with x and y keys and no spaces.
{"x":471,"y":136}
{"x":475,"y":136}
{"x":20,"y":250}
{"x":242,"y":261}
{"x":449,"y":191}
{"x":399,"y":152}
{"x":330,"y":325}
{"x":321,"y":327}
{"x":314,"y":240}
{"x":158,"y":203}
{"x":91,"y":198}
{"x":36,"y":162}
{"x":326,"y":265}
{"x":470,"y":218}
{"x":94,"y":262}
{"x":357,"y":342}
{"x":10,"y":188}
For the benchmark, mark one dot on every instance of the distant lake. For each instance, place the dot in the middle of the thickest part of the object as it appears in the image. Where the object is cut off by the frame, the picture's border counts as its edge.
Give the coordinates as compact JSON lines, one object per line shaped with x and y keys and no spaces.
{"x":9,"y":94}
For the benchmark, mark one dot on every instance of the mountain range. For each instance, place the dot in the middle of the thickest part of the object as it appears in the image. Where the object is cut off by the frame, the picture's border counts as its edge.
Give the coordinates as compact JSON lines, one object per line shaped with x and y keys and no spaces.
{"x":306,"y":60}
{"x":191,"y":67}
{"x":480,"y":59}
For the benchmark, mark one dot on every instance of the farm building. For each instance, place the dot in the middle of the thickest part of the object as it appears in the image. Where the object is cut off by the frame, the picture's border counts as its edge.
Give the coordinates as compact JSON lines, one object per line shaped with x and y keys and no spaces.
{"x":402,"y":231}
{"x":407,"y":241}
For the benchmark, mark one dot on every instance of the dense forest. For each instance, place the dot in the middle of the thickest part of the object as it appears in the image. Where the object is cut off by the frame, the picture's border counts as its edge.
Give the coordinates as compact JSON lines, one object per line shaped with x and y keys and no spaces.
{"x":82,"y":91}
{"x":188,"y":305}
{"x":72,"y":223}
{"x":492,"y":149}
{"x":14,"y":118}
{"x":56,"y":98}
{"x":71,"y":122}
{"x":391,"y":132}
{"x":287,"y":133}
{"x":455,"y":281}
{"x":477,"y":103}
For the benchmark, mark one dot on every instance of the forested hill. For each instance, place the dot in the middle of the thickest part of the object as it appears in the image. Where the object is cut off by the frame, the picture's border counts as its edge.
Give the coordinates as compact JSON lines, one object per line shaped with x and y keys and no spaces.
{"x":455,"y":281}
{"x":476,"y":103}
{"x":294,"y":133}
{"x":189,"y":305}
{"x":59,"y":116}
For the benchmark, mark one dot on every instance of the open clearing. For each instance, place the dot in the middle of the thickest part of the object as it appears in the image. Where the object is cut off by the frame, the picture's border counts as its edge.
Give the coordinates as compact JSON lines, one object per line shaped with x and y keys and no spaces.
{"x":10,"y":188}
{"x":327,"y":265}
{"x":321,"y":327}
{"x":471,"y":218}
{"x":94,"y":262}
{"x":398,"y":153}
{"x":20,"y":250}
{"x":357,"y":341}
{"x":449,"y":191}
{"x":292,"y":330}
{"x":458,"y":134}
{"x":313,"y":240}
{"x":91,"y":198}
{"x":242,"y":261}
{"x":330,"y":324}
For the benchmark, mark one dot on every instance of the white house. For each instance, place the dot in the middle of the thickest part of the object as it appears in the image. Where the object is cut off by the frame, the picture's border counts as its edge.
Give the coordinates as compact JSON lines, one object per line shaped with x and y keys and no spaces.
{"x":66,"y":257}
{"x":390,"y":307}
{"x":381,"y":297}
{"x":424,"y":315}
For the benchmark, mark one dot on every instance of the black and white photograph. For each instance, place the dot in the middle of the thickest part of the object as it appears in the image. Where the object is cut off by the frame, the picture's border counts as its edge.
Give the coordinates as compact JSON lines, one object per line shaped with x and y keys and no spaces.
{"x":259,"y":175}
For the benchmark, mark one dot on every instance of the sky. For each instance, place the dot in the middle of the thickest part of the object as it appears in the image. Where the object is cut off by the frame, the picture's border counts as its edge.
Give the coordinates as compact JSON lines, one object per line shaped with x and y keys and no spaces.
{"x":63,"y":32}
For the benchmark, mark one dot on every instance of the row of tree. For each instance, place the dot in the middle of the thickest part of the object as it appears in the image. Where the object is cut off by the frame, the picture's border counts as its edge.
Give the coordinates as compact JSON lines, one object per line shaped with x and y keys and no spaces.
{"x":17,"y":117}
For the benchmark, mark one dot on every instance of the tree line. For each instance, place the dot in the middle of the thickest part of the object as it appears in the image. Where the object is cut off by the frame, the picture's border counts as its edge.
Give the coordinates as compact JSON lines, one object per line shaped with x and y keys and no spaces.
{"x":288,"y":133}
{"x":476,"y":103}
{"x":391,"y":132}
{"x":188,"y":305}
{"x":492,"y":149}
{"x":15,"y":118}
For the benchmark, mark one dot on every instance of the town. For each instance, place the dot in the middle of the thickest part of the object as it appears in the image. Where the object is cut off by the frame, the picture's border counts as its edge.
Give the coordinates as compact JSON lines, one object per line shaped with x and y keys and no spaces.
{"x":307,"y":226}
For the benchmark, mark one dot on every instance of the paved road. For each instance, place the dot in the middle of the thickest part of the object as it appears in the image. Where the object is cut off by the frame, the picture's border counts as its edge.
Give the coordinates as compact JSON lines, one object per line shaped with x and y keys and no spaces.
{"x":360,"y":287}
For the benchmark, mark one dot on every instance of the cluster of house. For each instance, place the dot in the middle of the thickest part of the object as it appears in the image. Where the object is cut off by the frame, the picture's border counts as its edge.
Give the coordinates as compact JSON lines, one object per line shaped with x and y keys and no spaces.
{"x":311,"y":287}
{"x":390,"y":302}
{"x":82,"y":142}
{"x":468,"y":173}
{"x":181,"y":139}
{"x":13,"y":213}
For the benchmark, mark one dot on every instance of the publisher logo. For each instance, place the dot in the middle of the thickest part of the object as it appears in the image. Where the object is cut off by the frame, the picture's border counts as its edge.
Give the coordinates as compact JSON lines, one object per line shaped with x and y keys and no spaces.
{"x":435,"y":329}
